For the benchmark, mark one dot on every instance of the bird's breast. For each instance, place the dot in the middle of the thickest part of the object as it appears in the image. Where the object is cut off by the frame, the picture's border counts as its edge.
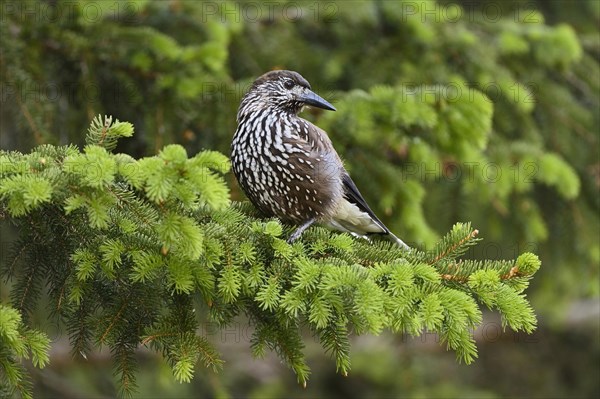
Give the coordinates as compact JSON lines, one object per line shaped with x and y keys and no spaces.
{"x":282,"y":173}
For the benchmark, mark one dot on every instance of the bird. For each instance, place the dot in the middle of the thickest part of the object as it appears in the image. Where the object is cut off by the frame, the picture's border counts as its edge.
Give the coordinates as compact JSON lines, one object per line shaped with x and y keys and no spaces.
{"x":288,"y":167}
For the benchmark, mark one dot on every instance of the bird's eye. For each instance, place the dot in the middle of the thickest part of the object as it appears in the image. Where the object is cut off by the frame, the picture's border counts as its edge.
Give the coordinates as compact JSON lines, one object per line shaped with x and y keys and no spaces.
{"x":288,"y":84}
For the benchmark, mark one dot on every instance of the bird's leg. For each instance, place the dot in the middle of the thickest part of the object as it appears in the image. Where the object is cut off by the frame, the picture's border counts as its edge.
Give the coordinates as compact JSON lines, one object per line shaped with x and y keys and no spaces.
{"x":298,"y":232}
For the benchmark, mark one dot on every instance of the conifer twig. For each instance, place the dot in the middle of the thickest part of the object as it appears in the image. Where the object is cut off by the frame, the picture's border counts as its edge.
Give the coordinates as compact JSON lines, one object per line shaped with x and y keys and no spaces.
{"x":26,"y":291}
{"x":513,"y":272}
{"x":470,"y":236}
{"x":153,"y":337}
{"x":36,"y":133}
{"x":113,"y":321}
{"x":107,"y":122}
{"x":454,"y":277}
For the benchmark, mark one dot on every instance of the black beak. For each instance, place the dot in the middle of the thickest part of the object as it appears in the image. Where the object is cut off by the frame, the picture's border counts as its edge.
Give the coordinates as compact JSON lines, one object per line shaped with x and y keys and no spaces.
{"x":310,"y":98}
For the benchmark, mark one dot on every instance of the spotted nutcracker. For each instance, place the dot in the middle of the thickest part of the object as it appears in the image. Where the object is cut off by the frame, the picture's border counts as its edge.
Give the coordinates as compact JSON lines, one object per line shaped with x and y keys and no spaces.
{"x":288,"y":167}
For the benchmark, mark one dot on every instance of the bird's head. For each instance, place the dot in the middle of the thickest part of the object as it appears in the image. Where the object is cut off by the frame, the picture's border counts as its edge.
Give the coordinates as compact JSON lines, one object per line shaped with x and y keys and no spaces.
{"x":286,"y":90}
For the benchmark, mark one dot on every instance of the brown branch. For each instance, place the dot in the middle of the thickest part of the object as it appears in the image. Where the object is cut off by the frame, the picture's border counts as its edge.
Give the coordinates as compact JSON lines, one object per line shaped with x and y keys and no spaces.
{"x":121,"y":204}
{"x":112,"y":323}
{"x":454,"y":277}
{"x":60,"y":298}
{"x":208,"y":356}
{"x":107,"y":123}
{"x":26,"y":290}
{"x":36,"y":133}
{"x":17,"y":257}
{"x":470,"y":236}
{"x":153,"y":337}
{"x":514,"y":272}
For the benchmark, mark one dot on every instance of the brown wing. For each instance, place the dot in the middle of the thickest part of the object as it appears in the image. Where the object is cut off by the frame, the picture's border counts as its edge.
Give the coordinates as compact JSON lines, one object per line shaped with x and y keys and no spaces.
{"x":320,"y":143}
{"x":348,"y":211}
{"x":316,"y":169}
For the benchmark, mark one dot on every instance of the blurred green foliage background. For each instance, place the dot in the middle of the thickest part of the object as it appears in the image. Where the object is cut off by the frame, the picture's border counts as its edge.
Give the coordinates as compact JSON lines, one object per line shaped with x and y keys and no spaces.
{"x":481,"y":111}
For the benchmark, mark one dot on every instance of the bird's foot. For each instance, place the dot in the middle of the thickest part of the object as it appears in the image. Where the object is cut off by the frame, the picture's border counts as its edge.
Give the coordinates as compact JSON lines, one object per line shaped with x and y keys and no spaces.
{"x":298,"y":232}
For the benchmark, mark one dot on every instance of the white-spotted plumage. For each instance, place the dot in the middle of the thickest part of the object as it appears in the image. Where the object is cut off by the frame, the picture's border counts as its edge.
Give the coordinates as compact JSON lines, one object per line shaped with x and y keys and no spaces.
{"x":288,"y":167}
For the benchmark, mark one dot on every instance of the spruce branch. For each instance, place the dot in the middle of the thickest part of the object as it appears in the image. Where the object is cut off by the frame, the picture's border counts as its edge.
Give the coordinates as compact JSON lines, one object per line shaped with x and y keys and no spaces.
{"x":114,"y":320}
{"x":454,"y":244}
{"x":17,"y":342}
{"x":133,"y":242}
